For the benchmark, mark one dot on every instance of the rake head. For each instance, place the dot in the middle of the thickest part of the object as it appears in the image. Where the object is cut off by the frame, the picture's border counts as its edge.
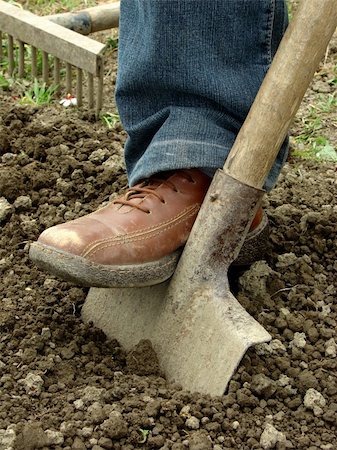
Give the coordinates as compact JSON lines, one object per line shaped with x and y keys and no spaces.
{"x":34,"y":46}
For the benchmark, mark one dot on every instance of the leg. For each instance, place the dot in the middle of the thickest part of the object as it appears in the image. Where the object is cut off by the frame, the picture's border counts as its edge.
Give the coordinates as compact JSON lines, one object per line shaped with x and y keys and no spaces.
{"x":188,"y":73}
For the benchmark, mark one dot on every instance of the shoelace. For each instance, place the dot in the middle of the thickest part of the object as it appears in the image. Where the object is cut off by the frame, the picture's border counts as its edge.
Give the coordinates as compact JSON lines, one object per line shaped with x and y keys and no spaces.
{"x":148,"y":187}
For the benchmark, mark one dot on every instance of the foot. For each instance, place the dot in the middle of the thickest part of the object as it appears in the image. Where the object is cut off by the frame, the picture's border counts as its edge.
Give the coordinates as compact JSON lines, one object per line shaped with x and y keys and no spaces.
{"x":134,"y":241}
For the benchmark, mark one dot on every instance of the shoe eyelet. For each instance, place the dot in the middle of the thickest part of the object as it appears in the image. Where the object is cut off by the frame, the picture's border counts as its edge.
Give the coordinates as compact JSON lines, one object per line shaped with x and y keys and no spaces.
{"x":148,"y":212}
{"x":163,"y":202}
{"x":192,"y":181}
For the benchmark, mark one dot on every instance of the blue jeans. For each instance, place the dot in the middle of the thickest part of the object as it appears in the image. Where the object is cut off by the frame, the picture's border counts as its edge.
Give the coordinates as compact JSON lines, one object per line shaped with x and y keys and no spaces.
{"x":188,"y":73}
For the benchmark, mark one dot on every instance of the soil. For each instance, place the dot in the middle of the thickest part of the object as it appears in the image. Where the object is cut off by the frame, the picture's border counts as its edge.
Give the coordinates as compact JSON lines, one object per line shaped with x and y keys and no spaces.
{"x":64,"y":385}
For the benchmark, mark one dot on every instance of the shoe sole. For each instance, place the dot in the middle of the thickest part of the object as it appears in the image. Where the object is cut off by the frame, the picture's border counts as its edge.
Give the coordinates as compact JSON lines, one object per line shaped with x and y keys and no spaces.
{"x":85,"y":273}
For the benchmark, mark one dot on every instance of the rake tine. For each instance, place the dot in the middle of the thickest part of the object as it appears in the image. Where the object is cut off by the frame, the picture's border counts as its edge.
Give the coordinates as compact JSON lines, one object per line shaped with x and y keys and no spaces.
{"x":79,"y":91}
{"x":10,"y":55}
{"x":99,"y":91}
{"x":68,"y":79}
{"x":21,"y":72}
{"x":34,"y":62}
{"x":45,"y":68}
{"x":91,"y":90}
{"x":1,"y":52}
{"x":57,"y":73}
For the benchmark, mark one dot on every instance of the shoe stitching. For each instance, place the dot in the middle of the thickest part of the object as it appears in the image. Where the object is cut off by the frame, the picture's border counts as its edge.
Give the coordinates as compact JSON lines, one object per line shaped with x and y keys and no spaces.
{"x":141,"y":236}
{"x":138,"y":237}
{"x":101,"y":267}
{"x":113,"y":244}
{"x":123,"y":237}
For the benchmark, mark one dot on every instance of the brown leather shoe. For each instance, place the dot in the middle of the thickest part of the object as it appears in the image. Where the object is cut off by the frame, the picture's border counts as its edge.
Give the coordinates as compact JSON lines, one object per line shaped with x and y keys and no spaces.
{"x":134,"y":241}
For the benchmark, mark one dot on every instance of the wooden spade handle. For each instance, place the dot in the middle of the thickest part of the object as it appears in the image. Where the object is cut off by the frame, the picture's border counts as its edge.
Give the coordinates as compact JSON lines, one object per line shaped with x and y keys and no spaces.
{"x":281,"y":92}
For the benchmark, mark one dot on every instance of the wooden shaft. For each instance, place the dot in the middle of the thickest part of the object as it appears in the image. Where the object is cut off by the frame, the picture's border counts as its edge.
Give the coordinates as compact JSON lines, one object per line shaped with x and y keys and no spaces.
{"x":90,"y":20}
{"x":281,"y":93}
{"x":21,"y":71}
{"x":104,"y":17}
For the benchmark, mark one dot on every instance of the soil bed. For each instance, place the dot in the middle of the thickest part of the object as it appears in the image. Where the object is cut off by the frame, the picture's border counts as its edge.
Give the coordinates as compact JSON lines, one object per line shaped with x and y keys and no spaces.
{"x":64,"y":386}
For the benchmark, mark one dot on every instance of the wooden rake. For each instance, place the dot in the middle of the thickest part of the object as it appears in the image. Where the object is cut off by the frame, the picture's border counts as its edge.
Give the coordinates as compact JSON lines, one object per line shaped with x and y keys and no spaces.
{"x":70,"y":51}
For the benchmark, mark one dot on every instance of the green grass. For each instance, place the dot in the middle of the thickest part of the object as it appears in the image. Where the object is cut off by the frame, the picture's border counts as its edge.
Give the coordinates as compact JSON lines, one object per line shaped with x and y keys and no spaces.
{"x":333,"y":81}
{"x":112,"y":43}
{"x":311,"y":124}
{"x":143,"y":435}
{"x":313,"y":118}
{"x":326,"y":103}
{"x":292,"y":7}
{"x":290,"y":10}
{"x":319,"y":149}
{"x":311,"y":142}
{"x":110,"y":119}
{"x":39,"y":94}
{"x":4,"y":61}
{"x":42,"y":7}
{"x":317,"y":153}
{"x":4,"y":83}
{"x":326,"y":153}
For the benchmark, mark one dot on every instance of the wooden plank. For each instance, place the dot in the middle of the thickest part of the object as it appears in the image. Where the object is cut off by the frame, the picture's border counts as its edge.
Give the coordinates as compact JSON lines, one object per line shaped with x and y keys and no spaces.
{"x":51,"y":38}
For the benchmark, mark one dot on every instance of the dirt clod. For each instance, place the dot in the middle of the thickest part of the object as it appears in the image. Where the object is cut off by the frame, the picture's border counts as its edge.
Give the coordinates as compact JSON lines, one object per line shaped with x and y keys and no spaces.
{"x":142,"y":359}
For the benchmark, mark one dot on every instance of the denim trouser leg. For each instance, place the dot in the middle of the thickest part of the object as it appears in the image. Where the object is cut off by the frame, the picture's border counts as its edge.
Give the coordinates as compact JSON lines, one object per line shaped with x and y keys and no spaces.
{"x":188,"y":73}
